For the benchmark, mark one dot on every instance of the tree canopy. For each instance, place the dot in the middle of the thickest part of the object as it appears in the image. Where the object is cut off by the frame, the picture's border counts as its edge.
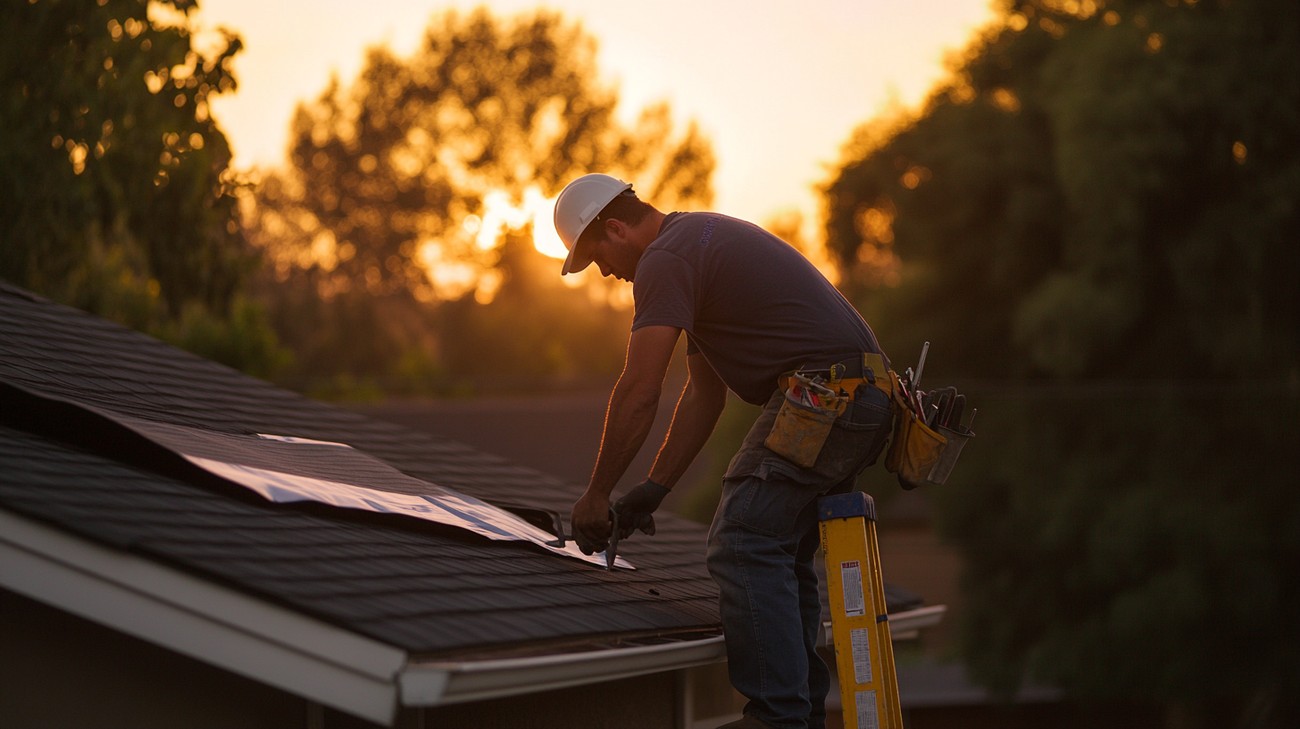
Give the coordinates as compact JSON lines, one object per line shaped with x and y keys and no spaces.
{"x":1096,"y":221}
{"x":108,"y":144}
{"x":401,"y":186}
{"x":1111,"y":182}
{"x":115,"y":189}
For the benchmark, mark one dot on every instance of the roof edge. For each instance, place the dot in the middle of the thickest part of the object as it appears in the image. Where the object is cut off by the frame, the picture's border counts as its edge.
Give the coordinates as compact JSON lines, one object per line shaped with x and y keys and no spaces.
{"x":436,"y":683}
{"x":200,"y":619}
{"x":299,"y":654}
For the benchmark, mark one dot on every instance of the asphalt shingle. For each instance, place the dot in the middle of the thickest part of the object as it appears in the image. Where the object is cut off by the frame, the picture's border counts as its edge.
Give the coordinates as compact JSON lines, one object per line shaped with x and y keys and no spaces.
{"x":427,"y":589}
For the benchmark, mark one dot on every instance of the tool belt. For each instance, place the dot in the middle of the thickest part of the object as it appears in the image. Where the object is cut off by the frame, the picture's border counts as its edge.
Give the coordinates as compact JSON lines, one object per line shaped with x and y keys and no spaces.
{"x":928,"y":431}
{"x":915,"y":447}
{"x":923,"y":446}
{"x":814,"y":397}
{"x":846,"y":374}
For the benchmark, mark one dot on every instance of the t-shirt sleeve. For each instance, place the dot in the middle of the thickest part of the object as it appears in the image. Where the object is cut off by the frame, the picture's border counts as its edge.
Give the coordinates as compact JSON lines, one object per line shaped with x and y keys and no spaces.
{"x":664,"y":292}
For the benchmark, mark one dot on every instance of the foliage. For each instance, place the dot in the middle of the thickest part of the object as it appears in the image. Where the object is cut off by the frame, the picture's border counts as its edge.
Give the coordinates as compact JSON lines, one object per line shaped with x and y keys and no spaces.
{"x":499,"y":344}
{"x":1126,"y":542}
{"x":115,"y":193}
{"x":1104,"y":197}
{"x":397,"y":184}
{"x":1109,"y":184}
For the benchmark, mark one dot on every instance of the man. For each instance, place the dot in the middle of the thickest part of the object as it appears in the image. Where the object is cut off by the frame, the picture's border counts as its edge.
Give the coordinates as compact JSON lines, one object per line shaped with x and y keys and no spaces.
{"x":753,"y":309}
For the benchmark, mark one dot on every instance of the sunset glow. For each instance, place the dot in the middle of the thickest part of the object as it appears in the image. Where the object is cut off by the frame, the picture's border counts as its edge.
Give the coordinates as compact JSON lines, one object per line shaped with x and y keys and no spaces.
{"x":501,"y":214}
{"x":790,"y":80}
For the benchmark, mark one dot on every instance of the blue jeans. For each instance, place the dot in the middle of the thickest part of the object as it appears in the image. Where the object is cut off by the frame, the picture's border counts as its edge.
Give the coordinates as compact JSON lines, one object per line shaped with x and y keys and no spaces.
{"x":761,"y":549}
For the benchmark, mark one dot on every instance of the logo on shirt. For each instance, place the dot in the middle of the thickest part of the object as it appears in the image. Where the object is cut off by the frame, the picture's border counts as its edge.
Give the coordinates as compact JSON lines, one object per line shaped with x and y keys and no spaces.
{"x":707,"y":234}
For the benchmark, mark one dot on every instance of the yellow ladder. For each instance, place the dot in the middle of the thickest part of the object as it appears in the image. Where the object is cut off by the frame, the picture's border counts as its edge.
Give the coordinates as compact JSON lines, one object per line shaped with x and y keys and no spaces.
{"x":864,"y":653}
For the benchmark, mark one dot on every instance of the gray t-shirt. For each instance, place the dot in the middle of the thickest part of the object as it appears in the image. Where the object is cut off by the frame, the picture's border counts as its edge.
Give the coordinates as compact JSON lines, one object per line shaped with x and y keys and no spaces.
{"x":748,"y":301}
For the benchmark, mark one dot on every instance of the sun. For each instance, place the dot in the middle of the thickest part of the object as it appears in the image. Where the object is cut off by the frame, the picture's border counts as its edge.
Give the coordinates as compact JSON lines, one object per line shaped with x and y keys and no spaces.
{"x":501,"y":213}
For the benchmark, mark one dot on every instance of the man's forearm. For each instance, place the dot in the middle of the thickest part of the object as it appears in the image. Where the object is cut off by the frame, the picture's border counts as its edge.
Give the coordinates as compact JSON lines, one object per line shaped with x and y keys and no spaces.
{"x":693,"y":422}
{"x":628,"y":419}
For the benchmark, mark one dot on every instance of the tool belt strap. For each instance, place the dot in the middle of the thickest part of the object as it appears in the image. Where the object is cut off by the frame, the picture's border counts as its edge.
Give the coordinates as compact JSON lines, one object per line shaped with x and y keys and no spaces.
{"x":847,"y":374}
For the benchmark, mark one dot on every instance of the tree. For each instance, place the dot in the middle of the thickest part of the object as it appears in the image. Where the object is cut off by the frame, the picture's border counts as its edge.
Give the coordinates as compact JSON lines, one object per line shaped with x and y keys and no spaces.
{"x":1082,"y":178}
{"x":1102,"y":200}
{"x":396,"y":183}
{"x":115,"y":192}
{"x":534,"y":330}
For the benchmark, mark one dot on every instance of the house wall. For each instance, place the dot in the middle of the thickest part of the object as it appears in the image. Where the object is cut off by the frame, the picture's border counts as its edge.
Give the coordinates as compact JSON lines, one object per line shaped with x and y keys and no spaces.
{"x":58,"y":670}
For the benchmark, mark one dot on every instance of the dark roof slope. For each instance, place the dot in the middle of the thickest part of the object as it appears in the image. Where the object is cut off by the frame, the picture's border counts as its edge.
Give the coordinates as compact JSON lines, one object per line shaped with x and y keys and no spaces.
{"x":426,"y":589}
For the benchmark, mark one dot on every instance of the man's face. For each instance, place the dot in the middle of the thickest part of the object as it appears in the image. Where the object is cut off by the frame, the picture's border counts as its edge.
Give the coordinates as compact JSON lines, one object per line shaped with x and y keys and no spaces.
{"x":615,"y":253}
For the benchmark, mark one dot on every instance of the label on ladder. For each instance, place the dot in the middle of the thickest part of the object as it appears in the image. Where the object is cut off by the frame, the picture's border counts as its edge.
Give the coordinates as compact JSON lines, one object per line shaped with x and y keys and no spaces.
{"x":860,"y":644}
{"x":867,"y":716}
{"x":851,"y":574}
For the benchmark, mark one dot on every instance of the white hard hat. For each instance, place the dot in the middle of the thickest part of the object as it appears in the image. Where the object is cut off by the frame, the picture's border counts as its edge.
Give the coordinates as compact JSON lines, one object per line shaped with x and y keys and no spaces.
{"x":579,"y":204}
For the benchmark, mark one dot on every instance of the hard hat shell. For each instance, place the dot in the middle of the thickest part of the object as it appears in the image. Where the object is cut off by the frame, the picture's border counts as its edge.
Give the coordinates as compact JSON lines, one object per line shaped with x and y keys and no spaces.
{"x":579,"y":203}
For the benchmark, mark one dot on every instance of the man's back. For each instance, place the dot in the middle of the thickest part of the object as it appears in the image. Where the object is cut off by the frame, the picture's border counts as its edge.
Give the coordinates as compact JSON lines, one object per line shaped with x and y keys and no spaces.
{"x":752,"y":304}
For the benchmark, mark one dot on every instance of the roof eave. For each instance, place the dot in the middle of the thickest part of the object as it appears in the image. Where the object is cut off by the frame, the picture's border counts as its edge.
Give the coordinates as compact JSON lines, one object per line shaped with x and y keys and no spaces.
{"x":201,"y":619}
{"x":435,"y":683}
{"x":299,"y":654}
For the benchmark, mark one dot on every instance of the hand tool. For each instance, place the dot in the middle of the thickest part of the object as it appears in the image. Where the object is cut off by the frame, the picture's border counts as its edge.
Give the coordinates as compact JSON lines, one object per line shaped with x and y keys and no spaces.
{"x":958,"y":405}
{"x":611,"y":552}
{"x":920,"y":365}
{"x":910,"y":396}
{"x":939,"y":403}
{"x":947,"y":396}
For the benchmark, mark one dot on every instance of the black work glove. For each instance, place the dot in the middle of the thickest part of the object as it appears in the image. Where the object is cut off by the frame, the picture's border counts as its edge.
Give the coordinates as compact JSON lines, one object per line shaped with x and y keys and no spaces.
{"x":590,"y":522}
{"x":587,"y":546}
{"x":636,"y":507}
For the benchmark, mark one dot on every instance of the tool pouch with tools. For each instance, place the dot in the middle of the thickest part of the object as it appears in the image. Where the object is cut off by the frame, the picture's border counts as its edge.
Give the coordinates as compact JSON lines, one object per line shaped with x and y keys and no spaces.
{"x":955,"y":440}
{"x":804,"y":421}
{"x":915,"y":449}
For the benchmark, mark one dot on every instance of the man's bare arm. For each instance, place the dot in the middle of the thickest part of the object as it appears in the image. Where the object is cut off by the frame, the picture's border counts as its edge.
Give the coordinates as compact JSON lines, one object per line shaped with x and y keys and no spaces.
{"x":631,"y":413}
{"x":698,"y":409}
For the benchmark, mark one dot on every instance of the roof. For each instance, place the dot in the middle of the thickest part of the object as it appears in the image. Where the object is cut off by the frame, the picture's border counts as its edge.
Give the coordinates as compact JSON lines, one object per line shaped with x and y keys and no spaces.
{"x":357,"y":610}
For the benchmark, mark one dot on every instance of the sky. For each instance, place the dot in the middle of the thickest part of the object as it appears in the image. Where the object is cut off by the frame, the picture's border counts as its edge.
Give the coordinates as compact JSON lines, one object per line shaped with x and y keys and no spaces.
{"x":778,"y":86}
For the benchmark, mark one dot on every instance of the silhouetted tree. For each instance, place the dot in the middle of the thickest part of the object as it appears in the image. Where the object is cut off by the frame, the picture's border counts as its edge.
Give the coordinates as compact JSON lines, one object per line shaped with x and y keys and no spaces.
{"x":534,"y":330}
{"x":115,"y":191}
{"x":1104,"y":196}
{"x":1112,"y":183}
{"x":390,"y":180}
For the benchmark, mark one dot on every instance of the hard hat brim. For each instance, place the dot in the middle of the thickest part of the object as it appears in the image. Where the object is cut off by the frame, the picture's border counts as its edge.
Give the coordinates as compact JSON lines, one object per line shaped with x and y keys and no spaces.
{"x":574,"y":262}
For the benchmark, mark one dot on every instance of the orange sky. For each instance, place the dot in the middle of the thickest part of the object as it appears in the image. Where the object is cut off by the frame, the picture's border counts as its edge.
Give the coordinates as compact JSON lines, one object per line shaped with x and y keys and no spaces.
{"x":777,"y":85}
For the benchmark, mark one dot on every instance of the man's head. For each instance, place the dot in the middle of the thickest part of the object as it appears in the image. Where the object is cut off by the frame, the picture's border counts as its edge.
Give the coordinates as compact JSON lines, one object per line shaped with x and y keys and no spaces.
{"x":600,"y":220}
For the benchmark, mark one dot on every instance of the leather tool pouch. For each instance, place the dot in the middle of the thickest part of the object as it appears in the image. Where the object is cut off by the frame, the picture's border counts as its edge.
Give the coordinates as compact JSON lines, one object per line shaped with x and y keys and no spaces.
{"x":804,"y":421}
{"x":915,"y":449}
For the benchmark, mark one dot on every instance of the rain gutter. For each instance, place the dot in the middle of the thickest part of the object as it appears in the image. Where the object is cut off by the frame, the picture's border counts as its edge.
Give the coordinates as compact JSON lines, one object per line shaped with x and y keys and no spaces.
{"x":435,"y":683}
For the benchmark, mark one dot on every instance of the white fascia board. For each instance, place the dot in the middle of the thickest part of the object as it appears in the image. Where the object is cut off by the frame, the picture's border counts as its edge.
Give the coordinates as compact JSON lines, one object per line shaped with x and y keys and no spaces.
{"x":436,"y":683}
{"x":206,"y":621}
